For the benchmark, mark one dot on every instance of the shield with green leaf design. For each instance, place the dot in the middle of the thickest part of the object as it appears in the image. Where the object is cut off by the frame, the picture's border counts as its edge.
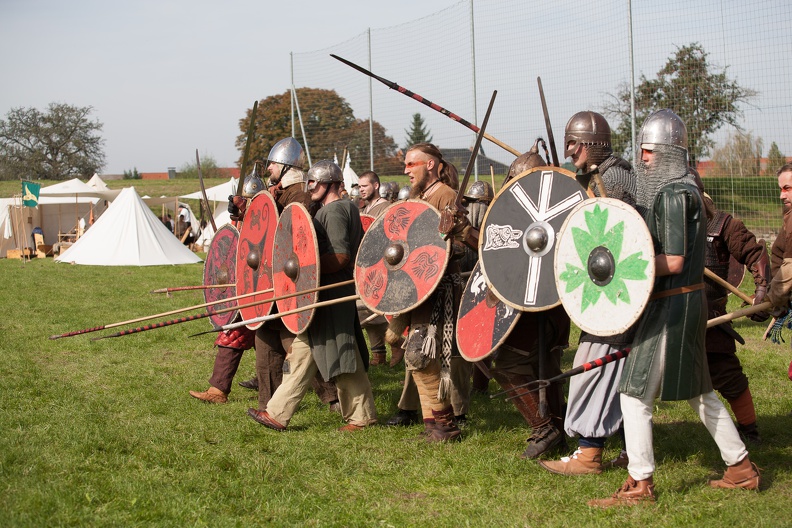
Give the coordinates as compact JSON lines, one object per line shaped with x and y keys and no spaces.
{"x":604,"y":266}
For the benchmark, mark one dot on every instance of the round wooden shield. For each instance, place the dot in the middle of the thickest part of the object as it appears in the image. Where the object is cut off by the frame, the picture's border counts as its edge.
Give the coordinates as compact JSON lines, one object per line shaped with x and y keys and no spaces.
{"x":519,"y":234}
{"x":366,"y":220}
{"x":295,"y":265}
{"x":254,"y":257}
{"x":484,"y":321}
{"x":220,"y":268}
{"x":604,"y":266}
{"x":401,"y":259}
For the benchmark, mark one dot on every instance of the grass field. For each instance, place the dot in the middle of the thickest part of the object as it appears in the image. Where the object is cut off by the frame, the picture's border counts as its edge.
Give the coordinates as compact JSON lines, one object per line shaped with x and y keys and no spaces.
{"x":104,"y":434}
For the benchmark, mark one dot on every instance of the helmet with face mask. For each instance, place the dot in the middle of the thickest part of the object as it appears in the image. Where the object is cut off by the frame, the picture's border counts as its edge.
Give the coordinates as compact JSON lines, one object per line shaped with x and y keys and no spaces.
{"x":663,"y":127}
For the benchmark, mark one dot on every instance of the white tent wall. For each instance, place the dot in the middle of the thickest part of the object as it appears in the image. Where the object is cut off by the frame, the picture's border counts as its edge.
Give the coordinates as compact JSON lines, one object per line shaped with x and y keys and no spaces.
{"x":128,"y":234}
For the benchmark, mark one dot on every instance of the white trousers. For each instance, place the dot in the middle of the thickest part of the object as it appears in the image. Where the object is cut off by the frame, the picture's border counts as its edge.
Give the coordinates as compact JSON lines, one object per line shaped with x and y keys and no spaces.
{"x":637,"y":414}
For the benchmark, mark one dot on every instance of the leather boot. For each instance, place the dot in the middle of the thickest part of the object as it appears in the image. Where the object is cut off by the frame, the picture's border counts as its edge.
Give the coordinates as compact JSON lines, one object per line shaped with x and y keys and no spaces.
{"x":620,"y":462}
{"x":397,"y":355}
{"x":584,"y":461}
{"x":403,"y":417}
{"x":631,"y":493}
{"x":544,"y":433}
{"x":444,"y":430}
{"x":251,"y":384}
{"x":212,"y":395}
{"x":377,"y":358}
{"x":749,"y":434}
{"x":743,"y":474}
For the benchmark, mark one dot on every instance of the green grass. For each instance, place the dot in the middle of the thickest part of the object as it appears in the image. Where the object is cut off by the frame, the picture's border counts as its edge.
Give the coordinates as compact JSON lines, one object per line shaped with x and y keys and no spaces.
{"x":104,"y":434}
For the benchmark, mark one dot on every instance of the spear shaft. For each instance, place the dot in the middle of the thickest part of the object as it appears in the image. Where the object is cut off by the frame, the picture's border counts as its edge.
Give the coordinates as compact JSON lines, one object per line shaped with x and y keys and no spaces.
{"x":401,"y":89}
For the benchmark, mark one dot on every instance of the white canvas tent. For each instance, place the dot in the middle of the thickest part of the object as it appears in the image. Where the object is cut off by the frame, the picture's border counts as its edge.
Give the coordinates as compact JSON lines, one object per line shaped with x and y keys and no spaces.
{"x":128,"y":234}
{"x":98,"y":183}
{"x":218,"y":193}
{"x":350,"y":176}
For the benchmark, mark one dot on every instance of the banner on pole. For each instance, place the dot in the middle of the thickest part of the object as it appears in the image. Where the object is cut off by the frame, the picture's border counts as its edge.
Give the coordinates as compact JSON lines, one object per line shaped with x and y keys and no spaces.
{"x":30,"y":193}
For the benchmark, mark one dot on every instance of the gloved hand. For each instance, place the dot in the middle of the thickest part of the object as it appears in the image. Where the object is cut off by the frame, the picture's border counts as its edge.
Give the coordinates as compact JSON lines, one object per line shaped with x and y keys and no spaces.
{"x":453,"y":224}
{"x":759,"y":297}
{"x":236,"y":207}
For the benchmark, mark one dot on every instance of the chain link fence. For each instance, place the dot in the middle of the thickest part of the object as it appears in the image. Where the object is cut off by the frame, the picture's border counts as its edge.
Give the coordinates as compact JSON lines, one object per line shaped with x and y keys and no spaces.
{"x":585,"y":54}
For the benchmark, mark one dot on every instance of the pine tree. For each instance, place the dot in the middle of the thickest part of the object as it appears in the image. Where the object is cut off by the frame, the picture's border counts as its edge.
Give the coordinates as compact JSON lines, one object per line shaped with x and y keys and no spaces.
{"x":775,"y":160}
{"x":417,"y":132}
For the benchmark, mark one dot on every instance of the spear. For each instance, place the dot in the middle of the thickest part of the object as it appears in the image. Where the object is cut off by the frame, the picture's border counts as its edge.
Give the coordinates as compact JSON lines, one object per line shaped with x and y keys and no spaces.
{"x":217,"y":312}
{"x":164,"y":314}
{"x":401,"y":89}
{"x":191,"y":288}
{"x":265,"y":318}
{"x":547,"y":123}
{"x":243,"y":168}
{"x":533,"y":386}
{"x":203,"y":192}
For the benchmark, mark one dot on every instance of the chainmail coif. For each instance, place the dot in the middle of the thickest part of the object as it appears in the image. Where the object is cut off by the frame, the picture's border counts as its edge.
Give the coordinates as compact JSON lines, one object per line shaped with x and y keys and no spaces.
{"x":669,"y":166}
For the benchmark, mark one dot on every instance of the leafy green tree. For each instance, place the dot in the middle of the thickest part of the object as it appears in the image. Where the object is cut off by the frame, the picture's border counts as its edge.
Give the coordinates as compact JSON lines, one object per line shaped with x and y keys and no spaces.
{"x":209,"y":169}
{"x":356,"y":140}
{"x":699,"y":92}
{"x":58,"y":144}
{"x":417,"y":133}
{"x":329,"y":123}
{"x":775,"y":160}
{"x":132,"y":174}
{"x":740,"y":157}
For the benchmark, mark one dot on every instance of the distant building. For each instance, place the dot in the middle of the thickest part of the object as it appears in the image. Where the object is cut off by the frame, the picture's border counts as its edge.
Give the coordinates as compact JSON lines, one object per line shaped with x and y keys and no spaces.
{"x":461,"y":156}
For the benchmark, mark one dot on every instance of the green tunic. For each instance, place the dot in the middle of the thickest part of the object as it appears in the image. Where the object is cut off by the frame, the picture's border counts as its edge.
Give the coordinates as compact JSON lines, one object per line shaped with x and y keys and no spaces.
{"x":674,"y":326}
{"x":332,"y":332}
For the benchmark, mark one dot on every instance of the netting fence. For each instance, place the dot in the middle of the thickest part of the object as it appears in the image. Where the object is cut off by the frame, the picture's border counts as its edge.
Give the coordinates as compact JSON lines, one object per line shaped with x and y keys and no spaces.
{"x":585,"y":54}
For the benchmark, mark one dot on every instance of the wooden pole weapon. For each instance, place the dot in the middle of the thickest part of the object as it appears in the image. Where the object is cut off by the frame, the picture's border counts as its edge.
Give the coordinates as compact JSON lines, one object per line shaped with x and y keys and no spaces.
{"x":196,"y":307}
{"x":218,"y":312}
{"x":203,"y":192}
{"x":401,"y":89}
{"x":192,"y":288}
{"x":550,"y":137}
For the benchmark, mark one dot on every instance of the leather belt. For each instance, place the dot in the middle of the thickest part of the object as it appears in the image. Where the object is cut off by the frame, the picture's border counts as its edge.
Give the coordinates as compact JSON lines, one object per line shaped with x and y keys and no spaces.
{"x":676,"y":291}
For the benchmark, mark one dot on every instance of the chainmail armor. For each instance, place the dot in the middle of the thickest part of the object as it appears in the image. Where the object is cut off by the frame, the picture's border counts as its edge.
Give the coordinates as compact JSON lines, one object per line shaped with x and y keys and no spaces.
{"x":619,"y":180}
{"x":669,"y":166}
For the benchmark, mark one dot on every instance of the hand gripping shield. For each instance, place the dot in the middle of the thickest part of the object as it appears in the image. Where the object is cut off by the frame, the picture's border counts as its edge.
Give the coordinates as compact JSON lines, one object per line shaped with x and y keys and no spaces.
{"x":604,"y":266}
{"x":401,"y":259}
{"x":484,"y":321}
{"x":254,"y":257}
{"x":295,"y":265}
{"x":220,"y":268}
{"x":519,"y":234}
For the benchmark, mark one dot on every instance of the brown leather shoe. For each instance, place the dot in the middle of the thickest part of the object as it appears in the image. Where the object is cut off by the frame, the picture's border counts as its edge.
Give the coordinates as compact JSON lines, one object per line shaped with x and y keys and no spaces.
{"x":377,"y":358}
{"x":397,"y":355}
{"x":743,"y":474}
{"x":620,"y":462}
{"x":212,"y":395}
{"x":444,"y":429}
{"x":351,"y":428}
{"x":631,"y":493}
{"x":584,"y":461}
{"x":265,"y":419}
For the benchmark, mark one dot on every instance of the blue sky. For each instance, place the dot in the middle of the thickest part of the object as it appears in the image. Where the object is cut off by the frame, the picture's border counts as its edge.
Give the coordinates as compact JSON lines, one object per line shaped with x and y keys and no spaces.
{"x":169,"y":76}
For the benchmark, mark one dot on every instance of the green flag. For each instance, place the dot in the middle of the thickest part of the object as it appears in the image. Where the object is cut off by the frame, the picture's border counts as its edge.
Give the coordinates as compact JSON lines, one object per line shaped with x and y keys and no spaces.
{"x":30,"y":193}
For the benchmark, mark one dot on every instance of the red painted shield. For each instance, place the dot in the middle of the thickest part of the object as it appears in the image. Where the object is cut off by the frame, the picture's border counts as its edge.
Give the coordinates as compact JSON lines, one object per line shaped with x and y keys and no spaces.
{"x":401,"y":259}
{"x":366,"y":220}
{"x":296,"y":265}
{"x":254,"y":257}
{"x":220,"y":268}
{"x":484,"y":321}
